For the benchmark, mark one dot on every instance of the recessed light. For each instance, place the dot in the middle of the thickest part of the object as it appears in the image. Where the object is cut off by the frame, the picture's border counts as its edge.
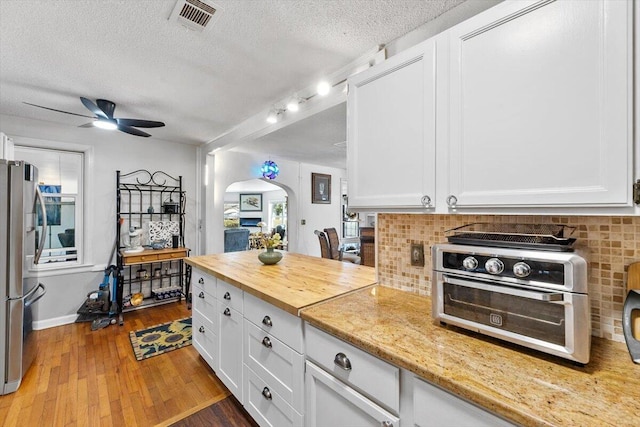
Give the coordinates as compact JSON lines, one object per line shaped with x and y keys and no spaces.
{"x":323,"y":88}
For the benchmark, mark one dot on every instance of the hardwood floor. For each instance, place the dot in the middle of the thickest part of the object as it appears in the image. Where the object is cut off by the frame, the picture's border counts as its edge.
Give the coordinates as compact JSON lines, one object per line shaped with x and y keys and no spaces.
{"x":225,"y":413}
{"x":91,"y":378}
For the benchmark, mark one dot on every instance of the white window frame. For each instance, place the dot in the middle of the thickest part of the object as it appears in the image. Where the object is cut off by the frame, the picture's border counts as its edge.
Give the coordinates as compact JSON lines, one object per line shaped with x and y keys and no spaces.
{"x":83,"y":212}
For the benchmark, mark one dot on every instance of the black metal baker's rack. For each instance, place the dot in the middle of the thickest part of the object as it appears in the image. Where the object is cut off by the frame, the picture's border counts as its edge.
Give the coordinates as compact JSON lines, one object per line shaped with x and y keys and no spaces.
{"x":141,"y":197}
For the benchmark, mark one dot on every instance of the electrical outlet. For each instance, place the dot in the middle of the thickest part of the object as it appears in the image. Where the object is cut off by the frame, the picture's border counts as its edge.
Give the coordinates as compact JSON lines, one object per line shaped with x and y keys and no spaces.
{"x":417,"y":254}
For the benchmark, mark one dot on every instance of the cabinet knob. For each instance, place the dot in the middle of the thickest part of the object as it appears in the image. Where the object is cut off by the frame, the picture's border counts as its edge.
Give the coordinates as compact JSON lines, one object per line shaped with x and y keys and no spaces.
{"x":266,"y":320}
{"x":426,"y":201}
{"x":266,"y":342}
{"x":342,"y":361}
{"x":201,"y":329}
{"x":267,"y":393}
{"x":386,"y":424}
{"x":227,"y":296}
{"x":201,"y":280}
{"x":227,"y":312}
{"x":452,"y":201}
{"x":201,"y":295}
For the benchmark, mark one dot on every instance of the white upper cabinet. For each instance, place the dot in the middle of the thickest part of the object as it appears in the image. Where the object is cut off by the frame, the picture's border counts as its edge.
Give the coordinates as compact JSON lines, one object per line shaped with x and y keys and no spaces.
{"x":391,"y":132}
{"x":539,"y":99}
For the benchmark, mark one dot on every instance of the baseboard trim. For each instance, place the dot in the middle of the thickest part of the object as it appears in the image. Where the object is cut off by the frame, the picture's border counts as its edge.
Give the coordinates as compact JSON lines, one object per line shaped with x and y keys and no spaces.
{"x":52,"y":323}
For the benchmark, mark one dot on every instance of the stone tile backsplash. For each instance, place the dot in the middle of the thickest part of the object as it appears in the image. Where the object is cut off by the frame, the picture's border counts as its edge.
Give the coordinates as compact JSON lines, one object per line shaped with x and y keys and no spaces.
{"x":609,"y":244}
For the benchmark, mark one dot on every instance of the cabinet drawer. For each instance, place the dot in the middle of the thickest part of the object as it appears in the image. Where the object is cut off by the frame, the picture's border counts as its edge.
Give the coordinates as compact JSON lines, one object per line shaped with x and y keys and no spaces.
{"x":383,"y":386}
{"x":141,"y":259}
{"x":205,"y":339}
{"x":432,"y":403}
{"x":201,"y":281}
{"x":229,"y":295}
{"x":265,"y":405}
{"x":277,"y":363}
{"x":284,"y":326}
{"x":206,"y":306}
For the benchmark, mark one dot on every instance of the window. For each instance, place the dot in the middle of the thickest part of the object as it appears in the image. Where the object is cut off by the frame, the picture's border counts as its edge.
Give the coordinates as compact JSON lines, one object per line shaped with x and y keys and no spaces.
{"x":278,"y":216}
{"x":60,"y":182}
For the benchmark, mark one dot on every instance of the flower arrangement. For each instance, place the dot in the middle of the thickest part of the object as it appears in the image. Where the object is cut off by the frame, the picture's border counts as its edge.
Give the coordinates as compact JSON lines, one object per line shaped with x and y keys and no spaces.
{"x":270,"y":240}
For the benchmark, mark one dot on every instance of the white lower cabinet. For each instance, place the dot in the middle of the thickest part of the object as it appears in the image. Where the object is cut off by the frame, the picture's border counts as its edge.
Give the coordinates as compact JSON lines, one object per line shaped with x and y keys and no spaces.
{"x":230,"y":364}
{"x":434,"y":407}
{"x":205,"y":317}
{"x":266,"y":405}
{"x":330,"y":402}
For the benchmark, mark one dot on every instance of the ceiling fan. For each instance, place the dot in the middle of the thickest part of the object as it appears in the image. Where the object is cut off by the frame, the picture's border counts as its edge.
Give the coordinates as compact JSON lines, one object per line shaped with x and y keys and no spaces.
{"x":104,"y":117}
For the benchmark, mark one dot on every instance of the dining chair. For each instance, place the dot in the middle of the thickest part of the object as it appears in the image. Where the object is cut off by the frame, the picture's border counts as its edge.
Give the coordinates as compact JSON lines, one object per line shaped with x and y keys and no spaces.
{"x":324,"y":244}
{"x":334,"y":248}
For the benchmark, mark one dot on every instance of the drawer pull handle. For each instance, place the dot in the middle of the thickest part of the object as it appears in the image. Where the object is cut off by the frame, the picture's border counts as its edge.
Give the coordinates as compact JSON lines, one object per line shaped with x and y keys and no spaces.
{"x":227,"y":296}
{"x":266,"y":320}
{"x":201,"y":281}
{"x":267,"y":393}
{"x":266,"y":342}
{"x":387,"y":424}
{"x":227,"y":312}
{"x":342,"y":361}
{"x":201,"y":329}
{"x":201,"y":295}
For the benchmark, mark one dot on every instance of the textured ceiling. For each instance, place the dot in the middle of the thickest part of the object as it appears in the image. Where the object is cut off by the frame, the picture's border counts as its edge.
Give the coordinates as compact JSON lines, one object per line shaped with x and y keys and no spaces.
{"x":201,"y":84}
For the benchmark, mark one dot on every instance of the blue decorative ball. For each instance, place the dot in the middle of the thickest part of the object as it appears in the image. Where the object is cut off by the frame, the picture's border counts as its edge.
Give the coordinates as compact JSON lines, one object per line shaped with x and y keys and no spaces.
{"x":269,"y":169}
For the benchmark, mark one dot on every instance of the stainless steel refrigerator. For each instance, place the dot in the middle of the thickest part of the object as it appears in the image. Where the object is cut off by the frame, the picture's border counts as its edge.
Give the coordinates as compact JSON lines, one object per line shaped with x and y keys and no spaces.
{"x":19,"y":286}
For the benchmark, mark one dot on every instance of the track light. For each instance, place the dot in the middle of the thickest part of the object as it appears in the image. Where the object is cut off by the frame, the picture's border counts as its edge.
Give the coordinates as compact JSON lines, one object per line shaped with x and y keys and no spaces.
{"x":323,"y":88}
{"x":294,"y":104}
{"x":273,"y":116}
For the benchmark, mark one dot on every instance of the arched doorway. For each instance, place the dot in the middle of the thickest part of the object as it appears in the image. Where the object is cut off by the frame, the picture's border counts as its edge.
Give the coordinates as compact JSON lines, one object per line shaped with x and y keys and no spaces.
{"x":254,"y":206}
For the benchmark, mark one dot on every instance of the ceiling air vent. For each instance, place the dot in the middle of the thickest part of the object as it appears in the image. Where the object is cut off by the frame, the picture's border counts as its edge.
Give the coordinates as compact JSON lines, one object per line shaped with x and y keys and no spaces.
{"x":195,"y":14}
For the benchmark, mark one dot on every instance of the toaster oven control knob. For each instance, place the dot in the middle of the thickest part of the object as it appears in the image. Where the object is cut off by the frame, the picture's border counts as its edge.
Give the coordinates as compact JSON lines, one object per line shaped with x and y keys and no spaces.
{"x":521,"y":269}
{"x":470,"y":263}
{"x":494,"y":266}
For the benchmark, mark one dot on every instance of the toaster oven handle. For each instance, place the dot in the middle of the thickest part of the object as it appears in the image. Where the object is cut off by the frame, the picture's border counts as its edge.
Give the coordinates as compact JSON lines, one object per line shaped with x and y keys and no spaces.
{"x":539,"y":296}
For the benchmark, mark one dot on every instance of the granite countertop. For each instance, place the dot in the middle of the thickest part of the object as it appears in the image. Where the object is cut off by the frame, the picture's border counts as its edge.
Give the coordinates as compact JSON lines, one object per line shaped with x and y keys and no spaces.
{"x":525,"y":386}
{"x":297,"y":281}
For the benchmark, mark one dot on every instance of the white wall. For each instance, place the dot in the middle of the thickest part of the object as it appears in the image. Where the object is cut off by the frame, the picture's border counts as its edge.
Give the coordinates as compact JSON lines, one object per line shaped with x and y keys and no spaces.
{"x":108,"y":152}
{"x":228,"y":167}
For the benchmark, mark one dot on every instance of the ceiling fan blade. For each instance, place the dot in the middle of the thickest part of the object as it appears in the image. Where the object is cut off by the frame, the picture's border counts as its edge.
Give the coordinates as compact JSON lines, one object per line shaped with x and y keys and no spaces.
{"x":132,"y":131}
{"x":107,"y":106}
{"x":140,"y":123}
{"x":59,"y":111}
{"x":93,"y":108}
{"x":87,"y":125}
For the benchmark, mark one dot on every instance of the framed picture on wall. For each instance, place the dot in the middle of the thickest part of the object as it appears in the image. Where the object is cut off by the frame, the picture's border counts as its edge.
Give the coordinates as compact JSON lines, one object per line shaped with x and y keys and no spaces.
{"x":320,"y":188}
{"x":250,"y":202}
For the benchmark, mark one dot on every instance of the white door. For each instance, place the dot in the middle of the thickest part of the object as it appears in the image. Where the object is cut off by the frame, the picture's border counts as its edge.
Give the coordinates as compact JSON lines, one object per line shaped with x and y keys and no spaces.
{"x":391,"y":131}
{"x":540,"y":105}
{"x":330,"y":402}
{"x":230,"y":347}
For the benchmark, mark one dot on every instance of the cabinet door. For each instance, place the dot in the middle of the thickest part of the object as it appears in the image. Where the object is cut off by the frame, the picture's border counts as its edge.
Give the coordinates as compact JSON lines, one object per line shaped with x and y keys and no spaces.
{"x":230,"y":347}
{"x":434,"y":407}
{"x":540,"y":105}
{"x":332,"y":403}
{"x":391,"y":131}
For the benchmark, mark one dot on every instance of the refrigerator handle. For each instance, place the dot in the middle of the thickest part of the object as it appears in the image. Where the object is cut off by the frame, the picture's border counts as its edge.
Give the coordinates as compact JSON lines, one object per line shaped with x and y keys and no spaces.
{"x":43,"y":234}
{"x":29,"y":302}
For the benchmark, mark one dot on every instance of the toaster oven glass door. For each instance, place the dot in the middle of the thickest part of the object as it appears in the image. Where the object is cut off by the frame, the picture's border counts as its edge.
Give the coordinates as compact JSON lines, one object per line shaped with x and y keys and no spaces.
{"x":534,"y":314}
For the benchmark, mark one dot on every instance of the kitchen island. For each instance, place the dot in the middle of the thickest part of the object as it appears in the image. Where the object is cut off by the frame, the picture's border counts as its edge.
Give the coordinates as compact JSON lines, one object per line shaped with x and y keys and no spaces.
{"x":521,"y":385}
{"x":296,"y":282}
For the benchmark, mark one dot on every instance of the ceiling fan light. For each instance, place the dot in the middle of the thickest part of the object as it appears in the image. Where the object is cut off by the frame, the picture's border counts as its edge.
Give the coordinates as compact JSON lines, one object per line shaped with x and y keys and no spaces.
{"x":105,"y":124}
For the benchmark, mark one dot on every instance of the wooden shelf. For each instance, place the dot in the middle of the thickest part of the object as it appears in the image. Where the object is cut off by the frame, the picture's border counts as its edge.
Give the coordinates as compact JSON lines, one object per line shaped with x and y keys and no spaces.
{"x":153,"y":255}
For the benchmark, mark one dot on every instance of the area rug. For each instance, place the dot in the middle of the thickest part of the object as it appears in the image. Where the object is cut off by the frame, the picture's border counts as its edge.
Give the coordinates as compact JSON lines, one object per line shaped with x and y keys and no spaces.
{"x":161,"y":339}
